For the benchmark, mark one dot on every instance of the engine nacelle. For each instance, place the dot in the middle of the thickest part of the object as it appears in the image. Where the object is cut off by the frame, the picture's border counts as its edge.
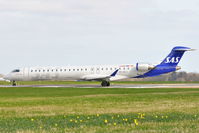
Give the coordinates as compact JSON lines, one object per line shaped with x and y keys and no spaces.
{"x":144,"y":67}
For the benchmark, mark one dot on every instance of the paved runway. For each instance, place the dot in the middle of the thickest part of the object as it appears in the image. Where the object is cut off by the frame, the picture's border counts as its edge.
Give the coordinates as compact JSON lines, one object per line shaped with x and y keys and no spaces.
{"x":114,"y":86}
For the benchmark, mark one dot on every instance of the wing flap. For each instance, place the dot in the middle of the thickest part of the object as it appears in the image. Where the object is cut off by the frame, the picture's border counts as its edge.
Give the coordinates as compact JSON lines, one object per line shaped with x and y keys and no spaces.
{"x":99,"y":76}
{"x":95,"y":77}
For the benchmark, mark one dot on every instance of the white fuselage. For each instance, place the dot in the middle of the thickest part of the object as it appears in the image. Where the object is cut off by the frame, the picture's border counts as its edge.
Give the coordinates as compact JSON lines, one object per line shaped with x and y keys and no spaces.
{"x":74,"y":73}
{"x":104,"y":73}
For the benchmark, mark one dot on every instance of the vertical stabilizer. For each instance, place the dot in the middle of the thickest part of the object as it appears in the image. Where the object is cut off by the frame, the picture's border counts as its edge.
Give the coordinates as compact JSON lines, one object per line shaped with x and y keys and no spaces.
{"x":169,"y":64}
{"x":174,"y":57}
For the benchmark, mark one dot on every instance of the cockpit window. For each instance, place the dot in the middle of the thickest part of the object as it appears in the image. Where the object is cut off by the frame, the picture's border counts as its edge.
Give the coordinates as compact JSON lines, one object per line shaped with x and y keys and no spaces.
{"x":16,"y":70}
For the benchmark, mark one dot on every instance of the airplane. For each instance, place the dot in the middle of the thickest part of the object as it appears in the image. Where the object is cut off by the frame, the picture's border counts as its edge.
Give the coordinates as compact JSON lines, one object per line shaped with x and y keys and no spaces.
{"x":102,"y":73}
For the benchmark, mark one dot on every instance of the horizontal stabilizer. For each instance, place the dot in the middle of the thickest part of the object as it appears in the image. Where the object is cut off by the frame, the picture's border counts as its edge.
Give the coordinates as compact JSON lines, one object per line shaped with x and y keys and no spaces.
{"x":183,"y":49}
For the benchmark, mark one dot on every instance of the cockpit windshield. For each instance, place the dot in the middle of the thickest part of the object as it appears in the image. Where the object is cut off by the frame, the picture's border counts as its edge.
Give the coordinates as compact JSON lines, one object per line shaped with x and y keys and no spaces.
{"x":15,"y":71}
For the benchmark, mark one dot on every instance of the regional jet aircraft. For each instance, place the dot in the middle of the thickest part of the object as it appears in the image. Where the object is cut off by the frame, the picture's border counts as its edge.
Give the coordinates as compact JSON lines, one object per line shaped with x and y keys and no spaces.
{"x":102,"y":73}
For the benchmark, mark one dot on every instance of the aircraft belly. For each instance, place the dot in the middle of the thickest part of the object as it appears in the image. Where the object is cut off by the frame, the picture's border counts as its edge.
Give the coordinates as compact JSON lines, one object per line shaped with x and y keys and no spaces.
{"x":55,"y":76}
{"x":119,"y":77}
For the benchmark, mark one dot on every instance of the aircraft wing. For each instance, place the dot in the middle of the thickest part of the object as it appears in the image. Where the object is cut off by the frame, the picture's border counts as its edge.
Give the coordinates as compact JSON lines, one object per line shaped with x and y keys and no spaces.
{"x":99,"y":77}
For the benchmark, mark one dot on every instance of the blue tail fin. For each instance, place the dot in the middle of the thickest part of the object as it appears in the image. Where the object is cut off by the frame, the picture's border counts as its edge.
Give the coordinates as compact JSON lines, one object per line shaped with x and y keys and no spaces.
{"x":174,"y":57}
{"x":169,"y":64}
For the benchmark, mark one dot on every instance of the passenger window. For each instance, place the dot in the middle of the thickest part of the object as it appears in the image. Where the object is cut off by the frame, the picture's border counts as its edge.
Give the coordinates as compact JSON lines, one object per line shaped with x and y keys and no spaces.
{"x":65,"y":70}
{"x":31,"y":70}
{"x":43,"y":70}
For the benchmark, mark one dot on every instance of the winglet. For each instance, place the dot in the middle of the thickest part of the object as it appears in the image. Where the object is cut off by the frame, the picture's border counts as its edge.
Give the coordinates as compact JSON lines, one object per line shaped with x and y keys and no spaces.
{"x":114,"y":73}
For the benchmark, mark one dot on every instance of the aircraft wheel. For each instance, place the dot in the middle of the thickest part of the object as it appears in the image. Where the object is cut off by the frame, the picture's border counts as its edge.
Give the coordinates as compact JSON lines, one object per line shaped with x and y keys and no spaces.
{"x":108,"y":83}
{"x":105,"y":83}
{"x":14,"y":83}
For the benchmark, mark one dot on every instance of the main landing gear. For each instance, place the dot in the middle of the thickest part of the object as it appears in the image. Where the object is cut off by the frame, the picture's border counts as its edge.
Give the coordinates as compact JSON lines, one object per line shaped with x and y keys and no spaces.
{"x":14,"y":83}
{"x":105,"y":83}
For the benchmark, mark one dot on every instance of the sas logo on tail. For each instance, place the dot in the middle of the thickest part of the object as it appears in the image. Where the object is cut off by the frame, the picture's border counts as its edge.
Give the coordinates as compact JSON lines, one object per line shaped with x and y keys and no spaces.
{"x":172,"y":59}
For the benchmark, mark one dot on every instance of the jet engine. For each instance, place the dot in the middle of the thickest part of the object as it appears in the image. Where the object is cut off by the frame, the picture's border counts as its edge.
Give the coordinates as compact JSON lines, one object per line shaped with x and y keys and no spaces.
{"x":144,"y":67}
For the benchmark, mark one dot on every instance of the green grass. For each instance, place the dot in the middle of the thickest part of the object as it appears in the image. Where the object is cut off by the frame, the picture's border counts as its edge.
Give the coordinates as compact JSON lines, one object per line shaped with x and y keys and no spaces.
{"x":99,"y":110}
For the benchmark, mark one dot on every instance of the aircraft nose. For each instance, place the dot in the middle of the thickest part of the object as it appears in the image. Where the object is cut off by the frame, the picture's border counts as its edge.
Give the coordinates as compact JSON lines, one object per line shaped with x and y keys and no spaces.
{"x":6,"y":77}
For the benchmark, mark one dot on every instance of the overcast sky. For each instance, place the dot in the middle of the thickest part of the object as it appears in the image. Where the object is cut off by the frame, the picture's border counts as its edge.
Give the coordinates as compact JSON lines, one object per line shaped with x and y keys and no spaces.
{"x":86,"y":32}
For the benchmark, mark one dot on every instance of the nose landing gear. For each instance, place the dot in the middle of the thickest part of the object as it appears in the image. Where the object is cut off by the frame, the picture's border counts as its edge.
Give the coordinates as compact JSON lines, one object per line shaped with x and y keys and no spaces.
{"x":14,"y":83}
{"x":105,"y":83}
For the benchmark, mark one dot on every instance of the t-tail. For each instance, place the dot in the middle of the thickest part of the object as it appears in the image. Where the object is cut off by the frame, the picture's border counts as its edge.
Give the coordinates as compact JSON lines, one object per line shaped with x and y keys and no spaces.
{"x":169,"y":64}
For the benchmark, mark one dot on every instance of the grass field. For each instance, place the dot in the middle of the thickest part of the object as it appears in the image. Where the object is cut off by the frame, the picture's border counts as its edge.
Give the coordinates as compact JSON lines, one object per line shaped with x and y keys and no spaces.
{"x":99,"y":110}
